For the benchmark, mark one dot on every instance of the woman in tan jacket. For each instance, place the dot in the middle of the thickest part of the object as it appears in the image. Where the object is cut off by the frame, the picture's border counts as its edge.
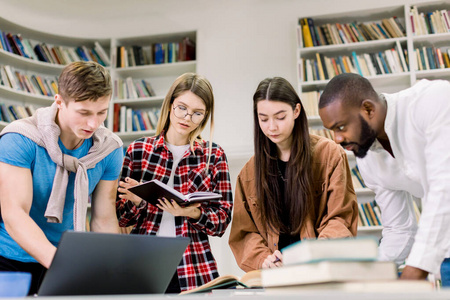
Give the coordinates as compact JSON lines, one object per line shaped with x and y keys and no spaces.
{"x":296,"y":186}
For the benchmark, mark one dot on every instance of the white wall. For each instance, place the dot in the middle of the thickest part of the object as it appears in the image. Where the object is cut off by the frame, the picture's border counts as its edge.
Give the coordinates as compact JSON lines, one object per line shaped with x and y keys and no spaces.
{"x":239,"y":43}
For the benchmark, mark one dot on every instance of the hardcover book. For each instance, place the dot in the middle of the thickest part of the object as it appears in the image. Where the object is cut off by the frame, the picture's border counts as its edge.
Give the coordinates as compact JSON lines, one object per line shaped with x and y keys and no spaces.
{"x":329,"y":271}
{"x":378,"y":286}
{"x":342,"y":249}
{"x":154,"y":189}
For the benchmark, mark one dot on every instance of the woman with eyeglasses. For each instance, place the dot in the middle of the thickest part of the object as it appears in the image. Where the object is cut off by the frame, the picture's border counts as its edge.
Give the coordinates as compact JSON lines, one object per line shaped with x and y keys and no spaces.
{"x":296,"y":186}
{"x":179,"y":157}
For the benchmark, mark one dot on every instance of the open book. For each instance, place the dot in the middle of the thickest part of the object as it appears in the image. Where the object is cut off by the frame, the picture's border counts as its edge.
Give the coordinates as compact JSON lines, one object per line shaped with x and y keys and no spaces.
{"x":154,"y":189}
{"x":250,"y":279}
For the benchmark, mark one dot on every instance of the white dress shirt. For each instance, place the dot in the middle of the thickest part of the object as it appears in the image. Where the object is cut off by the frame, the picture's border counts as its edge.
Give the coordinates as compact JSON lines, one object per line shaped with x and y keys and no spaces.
{"x":418,"y":126}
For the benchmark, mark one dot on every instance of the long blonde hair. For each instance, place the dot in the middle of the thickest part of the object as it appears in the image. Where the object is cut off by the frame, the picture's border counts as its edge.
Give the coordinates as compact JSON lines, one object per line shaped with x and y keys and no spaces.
{"x":201,"y":87}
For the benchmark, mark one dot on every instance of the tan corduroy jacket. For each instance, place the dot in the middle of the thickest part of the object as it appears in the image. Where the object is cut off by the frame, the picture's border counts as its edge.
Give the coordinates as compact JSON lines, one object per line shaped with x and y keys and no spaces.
{"x":336,"y":210}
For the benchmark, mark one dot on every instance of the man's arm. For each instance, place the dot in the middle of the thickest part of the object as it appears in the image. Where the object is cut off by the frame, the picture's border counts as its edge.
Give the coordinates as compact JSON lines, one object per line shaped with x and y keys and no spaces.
{"x":431,"y":126}
{"x":103,"y":218}
{"x":15,"y":208}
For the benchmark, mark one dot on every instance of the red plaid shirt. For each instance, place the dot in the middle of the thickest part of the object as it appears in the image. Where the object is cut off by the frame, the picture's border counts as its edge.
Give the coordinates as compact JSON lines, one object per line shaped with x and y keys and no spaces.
{"x":149,"y":158}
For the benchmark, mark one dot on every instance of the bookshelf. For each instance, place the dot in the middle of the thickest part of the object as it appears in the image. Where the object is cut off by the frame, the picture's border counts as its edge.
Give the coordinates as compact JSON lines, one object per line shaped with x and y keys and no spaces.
{"x":159,"y":76}
{"x":319,"y":59}
{"x":28,"y":65}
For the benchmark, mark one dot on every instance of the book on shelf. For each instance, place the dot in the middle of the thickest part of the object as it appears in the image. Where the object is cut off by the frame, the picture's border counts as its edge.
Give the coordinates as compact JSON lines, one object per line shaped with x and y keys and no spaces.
{"x":369,"y":214}
{"x":41,"y":55}
{"x":17,"y":44}
{"x":116,"y":117}
{"x":122,"y":119}
{"x":429,"y":22}
{"x":307,"y":38}
{"x":316,"y":250}
{"x":127,"y":120}
{"x":134,"y":119}
{"x":154,"y":189}
{"x":102,"y":53}
{"x":136,"y":124}
{"x":329,"y":271}
{"x":358,"y":181}
{"x":321,"y":67}
{"x":6,"y":45}
{"x":250,"y":279}
{"x":14,"y":112}
{"x":345,"y":33}
{"x":11,"y":78}
{"x":429,"y":58}
{"x":11,"y":113}
{"x":6,"y":114}
{"x":156,"y":53}
{"x":310,"y":101}
{"x":2,"y":42}
{"x":187,"y":50}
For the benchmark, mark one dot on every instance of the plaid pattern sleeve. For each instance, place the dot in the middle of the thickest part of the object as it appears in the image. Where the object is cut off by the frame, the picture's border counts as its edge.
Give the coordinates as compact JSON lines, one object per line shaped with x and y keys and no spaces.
{"x":134,"y":166}
{"x":149,"y":158}
{"x":216,"y":217}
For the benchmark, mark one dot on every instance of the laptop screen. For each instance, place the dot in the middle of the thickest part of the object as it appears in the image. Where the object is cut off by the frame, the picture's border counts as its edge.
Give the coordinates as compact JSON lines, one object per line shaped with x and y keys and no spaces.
{"x":89,"y":263}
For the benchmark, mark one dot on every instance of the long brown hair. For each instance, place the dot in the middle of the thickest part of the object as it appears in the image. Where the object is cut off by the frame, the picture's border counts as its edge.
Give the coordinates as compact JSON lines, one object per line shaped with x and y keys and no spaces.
{"x":298,"y":192}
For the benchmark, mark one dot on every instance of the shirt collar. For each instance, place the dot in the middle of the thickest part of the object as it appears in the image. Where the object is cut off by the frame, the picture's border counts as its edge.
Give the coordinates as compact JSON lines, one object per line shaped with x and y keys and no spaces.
{"x":391,"y":107}
{"x":160,"y":143}
{"x":388,"y":122}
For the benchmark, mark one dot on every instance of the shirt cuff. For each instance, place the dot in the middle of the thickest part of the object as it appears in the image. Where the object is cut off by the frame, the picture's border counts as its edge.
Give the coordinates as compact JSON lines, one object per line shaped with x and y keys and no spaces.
{"x":201,"y":222}
{"x":426,"y":258}
{"x":133,"y":207}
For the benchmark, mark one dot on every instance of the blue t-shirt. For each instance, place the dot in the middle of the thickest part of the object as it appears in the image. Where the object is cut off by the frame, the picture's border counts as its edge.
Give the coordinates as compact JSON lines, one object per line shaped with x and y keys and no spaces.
{"x":20,"y":151}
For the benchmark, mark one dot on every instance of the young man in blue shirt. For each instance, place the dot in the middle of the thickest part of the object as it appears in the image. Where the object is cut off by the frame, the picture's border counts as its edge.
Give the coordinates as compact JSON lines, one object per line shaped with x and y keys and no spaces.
{"x":51,"y":164}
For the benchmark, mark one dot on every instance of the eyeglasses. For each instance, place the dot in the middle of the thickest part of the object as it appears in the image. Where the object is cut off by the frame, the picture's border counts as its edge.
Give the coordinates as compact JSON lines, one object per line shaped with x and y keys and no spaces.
{"x":181,"y":112}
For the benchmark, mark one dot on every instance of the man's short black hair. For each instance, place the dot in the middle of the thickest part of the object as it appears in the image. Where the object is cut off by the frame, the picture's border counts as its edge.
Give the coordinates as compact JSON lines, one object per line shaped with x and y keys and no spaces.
{"x":350,"y":88}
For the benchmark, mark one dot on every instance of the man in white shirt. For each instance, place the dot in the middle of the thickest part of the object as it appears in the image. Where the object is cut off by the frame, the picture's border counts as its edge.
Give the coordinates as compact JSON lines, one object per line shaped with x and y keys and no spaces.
{"x":402,"y":145}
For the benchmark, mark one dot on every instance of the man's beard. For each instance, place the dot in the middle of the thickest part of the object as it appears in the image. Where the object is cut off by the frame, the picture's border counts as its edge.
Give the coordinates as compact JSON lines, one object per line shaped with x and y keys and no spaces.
{"x":367,"y":138}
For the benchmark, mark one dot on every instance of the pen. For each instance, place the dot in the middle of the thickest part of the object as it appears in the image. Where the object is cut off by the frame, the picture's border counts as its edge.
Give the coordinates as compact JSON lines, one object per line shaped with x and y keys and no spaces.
{"x":276,"y":260}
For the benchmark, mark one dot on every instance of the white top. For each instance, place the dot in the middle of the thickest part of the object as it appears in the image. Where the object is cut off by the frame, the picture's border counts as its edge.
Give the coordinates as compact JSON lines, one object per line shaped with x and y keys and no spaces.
{"x":167,"y":227}
{"x":418,"y":126}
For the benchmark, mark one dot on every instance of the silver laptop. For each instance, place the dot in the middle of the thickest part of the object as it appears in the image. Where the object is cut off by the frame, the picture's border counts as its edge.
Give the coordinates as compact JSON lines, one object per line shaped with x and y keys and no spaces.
{"x":88,"y":263}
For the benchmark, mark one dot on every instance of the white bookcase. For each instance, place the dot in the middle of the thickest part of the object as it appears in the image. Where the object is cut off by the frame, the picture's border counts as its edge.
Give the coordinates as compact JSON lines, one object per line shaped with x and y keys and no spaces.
{"x":160,"y":76}
{"x":28,"y":66}
{"x":387,"y":83}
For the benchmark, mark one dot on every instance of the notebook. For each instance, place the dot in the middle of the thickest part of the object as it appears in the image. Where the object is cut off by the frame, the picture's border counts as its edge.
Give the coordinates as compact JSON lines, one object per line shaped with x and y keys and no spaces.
{"x":89,"y":263}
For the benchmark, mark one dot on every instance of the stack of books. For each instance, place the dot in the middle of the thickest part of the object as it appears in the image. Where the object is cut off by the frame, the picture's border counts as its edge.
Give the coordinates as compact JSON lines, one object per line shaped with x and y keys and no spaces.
{"x":346,"y":264}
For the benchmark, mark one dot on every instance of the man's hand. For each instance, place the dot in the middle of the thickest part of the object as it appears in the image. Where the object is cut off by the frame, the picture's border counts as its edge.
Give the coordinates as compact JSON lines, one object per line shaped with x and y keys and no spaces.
{"x":412,"y":273}
{"x":171,"y":206}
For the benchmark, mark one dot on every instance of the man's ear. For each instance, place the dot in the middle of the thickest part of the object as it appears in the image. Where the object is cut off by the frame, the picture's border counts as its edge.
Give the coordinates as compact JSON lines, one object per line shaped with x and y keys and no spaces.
{"x":58,"y":100}
{"x":368,"y":108}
